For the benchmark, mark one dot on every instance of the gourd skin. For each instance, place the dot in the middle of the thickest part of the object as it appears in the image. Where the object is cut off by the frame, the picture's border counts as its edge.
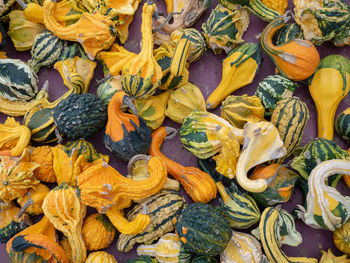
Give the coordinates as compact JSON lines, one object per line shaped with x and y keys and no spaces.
{"x":108,"y":88}
{"x":330,"y":257}
{"x":100,"y":257}
{"x":342,"y":126}
{"x":341,"y":238}
{"x":43,"y":156}
{"x":288,"y":32}
{"x":32,"y":201}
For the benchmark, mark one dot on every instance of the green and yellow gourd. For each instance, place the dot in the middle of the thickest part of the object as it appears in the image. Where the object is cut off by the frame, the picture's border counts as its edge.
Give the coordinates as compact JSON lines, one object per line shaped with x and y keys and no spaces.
{"x":288,"y":32}
{"x":342,"y":125}
{"x":100,"y":257}
{"x":83,"y":147}
{"x":142,"y":259}
{"x":341,"y":238}
{"x":224,"y":28}
{"x":204,"y":259}
{"x":108,"y":88}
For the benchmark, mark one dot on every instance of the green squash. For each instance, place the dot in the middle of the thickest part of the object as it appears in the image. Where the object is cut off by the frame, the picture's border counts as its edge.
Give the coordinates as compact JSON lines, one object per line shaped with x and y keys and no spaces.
{"x":203,"y":230}
{"x":342,"y":125}
{"x":82,"y":147}
{"x":288,"y":32}
{"x":204,"y":259}
{"x":142,"y":259}
{"x":108,"y":88}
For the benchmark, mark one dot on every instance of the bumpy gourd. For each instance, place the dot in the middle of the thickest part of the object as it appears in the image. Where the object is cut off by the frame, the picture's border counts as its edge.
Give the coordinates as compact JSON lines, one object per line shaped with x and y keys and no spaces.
{"x":32,"y":201}
{"x":296,"y":59}
{"x":43,"y":156}
{"x":333,"y":71}
{"x":341,"y":238}
{"x":100,"y":257}
{"x":342,"y":126}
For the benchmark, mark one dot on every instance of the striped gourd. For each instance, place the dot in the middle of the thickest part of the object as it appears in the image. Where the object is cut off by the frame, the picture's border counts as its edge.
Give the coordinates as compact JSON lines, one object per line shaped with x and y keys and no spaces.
{"x":108,"y":88}
{"x":162,"y":208}
{"x":342,"y":125}
{"x":17,"y":80}
{"x":82,"y":147}
{"x":316,"y":151}
{"x":46,"y":50}
{"x":288,"y":32}
{"x":272,"y":89}
{"x":290,"y":117}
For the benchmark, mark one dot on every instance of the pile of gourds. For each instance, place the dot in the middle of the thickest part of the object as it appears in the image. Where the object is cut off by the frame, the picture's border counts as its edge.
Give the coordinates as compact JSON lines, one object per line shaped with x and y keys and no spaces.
{"x":249,"y":154}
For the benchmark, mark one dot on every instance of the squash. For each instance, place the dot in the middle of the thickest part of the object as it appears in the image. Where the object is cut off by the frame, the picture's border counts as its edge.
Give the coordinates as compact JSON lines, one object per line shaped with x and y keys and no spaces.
{"x":261,"y":144}
{"x":98,"y":232}
{"x":43,"y":156}
{"x":204,"y":259}
{"x":238,"y":70}
{"x":100,"y":257}
{"x":107,"y":88}
{"x":80,"y":116}
{"x":126,"y":135}
{"x":197,"y":184}
{"x":342,"y":126}
{"x":85,"y":148}
{"x":10,"y":222}
{"x":238,"y":110}
{"x":142,"y":259}
{"x":183,"y":101}
{"x":329,"y":257}
{"x":288,"y":32}
{"x":334,"y":71}
{"x":68,"y":221}
{"x":290,"y":118}
{"x":162,"y":208}
{"x":32,"y":201}
{"x":341,"y":238}
{"x":296,"y":59}
{"x":5,"y":7}
{"x":202,"y":230}
{"x":224,"y":28}
{"x":142,"y":74}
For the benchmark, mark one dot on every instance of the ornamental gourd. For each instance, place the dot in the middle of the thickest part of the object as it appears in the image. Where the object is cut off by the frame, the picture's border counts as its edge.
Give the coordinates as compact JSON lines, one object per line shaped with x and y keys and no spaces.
{"x":341,"y":238}
{"x":288,"y":32}
{"x":100,"y":257}
{"x":108,"y":88}
{"x":342,"y":125}
{"x":32,"y":201}
{"x":330,"y":257}
{"x":43,"y":156}
{"x":296,"y":59}
{"x":85,"y":148}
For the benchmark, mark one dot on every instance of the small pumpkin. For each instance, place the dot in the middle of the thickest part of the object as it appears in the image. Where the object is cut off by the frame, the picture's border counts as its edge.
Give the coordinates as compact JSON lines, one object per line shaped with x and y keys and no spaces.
{"x":43,"y":156}
{"x":341,"y":238}
{"x":342,"y":125}
{"x":32,"y":201}
{"x":100,"y":257}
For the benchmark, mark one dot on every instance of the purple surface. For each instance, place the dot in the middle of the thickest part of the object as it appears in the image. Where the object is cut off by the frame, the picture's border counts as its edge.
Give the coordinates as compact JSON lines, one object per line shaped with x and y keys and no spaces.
{"x":206,"y":74}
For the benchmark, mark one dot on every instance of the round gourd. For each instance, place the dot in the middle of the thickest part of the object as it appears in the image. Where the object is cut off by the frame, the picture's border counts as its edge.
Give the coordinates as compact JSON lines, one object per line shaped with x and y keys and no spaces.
{"x":342,"y":125}
{"x":43,"y":156}
{"x":80,"y":116}
{"x":108,"y":88}
{"x":142,"y":259}
{"x":85,"y":148}
{"x":341,"y":237}
{"x":100,"y":257}
{"x":204,"y":259}
{"x":98,"y":232}
{"x":203,"y":230}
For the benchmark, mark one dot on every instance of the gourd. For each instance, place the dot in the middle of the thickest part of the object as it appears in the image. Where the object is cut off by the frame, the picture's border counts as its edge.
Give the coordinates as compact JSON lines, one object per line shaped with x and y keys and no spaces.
{"x":80,"y":116}
{"x":162,"y":208}
{"x":197,"y":184}
{"x":281,"y":185}
{"x":288,"y":32}
{"x":238,"y":70}
{"x":167,"y":249}
{"x":142,"y":259}
{"x":224,"y":28}
{"x":94,"y":31}
{"x":85,"y":148}
{"x":272,"y":89}
{"x":141,"y":75}
{"x":183,"y":101}
{"x":242,"y":248}
{"x":43,"y":156}
{"x":341,"y":238}
{"x":32,"y":201}
{"x":98,"y":232}
{"x":316,"y":151}
{"x":100,"y":257}
{"x":10,"y":223}
{"x":14,"y":138}
{"x":290,"y":118}
{"x":125,"y":134}
{"x":342,"y":126}
{"x":261,"y":144}
{"x":108,"y":88}
{"x":2,"y":35}
{"x":329,"y":257}
{"x":204,"y":259}
{"x":334,"y":71}
{"x":323,"y":20}
{"x":68,"y":221}
{"x":5,"y":7}
{"x":296,"y":59}
{"x":202,"y":230}
{"x":238,"y":110}
{"x":326,"y":207}
{"x":46,"y":50}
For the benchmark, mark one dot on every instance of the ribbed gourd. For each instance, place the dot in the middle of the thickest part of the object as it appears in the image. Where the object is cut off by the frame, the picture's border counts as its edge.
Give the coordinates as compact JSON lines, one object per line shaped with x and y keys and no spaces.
{"x":32,"y":201}
{"x":342,"y":125}
{"x":224,"y":28}
{"x":85,"y":148}
{"x":341,"y":238}
{"x":43,"y":156}
{"x":288,"y":32}
{"x":46,"y":50}
{"x":290,"y":118}
{"x":108,"y":88}
{"x":272,"y":89}
{"x":80,"y":116}
{"x":142,"y":259}
{"x":100,"y":257}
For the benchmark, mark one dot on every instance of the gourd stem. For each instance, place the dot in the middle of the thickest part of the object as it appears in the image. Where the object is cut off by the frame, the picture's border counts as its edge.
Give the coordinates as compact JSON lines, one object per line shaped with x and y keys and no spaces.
{"x":136,"y":158}
{"x":221,"y":189}
{"x":170,"y":133}
{"x":167,"y":19}
{"x":22,"y":4}
{"x":25,"y":207}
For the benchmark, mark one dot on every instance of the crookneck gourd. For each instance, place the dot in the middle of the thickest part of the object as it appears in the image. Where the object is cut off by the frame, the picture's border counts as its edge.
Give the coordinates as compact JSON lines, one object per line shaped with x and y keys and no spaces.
{"x":68,"y":221}
{"x":238,"y":70}
{"x":262,"y":143}
{"x":326,"y":207}
{"x":142,"y":74}
{"x":296,"y":59}
{"x":333,"y":71}
{"x":197,"y":184}
{"x":126,"y":134}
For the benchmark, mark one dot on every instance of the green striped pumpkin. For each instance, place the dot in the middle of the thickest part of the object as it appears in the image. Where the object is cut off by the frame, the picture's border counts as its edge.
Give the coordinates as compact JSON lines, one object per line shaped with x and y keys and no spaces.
{"x":342,"y":125}
{"x":288,"y":32}
{"x":316,"y":151}
{"x":162,"y":208}
{"x":17,"y":80}
{"x":82,"y":147}
{"x":290,"y":118}
{"x":46,"y":50}
{"x":272,"y":89}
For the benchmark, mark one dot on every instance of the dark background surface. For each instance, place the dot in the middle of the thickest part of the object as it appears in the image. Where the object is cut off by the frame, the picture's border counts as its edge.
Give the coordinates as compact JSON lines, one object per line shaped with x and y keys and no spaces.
{"x":206,"y":74}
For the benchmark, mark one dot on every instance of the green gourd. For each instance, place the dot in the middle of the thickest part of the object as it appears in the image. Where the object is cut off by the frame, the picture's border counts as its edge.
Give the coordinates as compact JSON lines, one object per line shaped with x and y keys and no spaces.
{"x":288,"y":32}
{"x":142,"y":259}
{"x":82,"y":147}
{"x":342,"y":125}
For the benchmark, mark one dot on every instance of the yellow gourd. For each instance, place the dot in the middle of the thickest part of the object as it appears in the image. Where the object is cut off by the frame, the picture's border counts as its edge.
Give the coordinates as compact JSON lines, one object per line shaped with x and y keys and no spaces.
{"x":32,"y":201}
{"x":100,"y":257}
{"x":43,"y":156}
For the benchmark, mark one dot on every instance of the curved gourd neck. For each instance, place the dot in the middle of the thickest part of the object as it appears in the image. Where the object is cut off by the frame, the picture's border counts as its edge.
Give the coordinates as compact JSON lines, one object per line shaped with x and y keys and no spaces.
{"x":268,"y":33}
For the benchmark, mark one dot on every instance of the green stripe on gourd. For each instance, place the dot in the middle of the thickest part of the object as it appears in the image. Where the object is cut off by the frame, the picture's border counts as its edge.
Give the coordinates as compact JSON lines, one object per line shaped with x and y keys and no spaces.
{"x":162,"y":208}
{"x":342,"y":125}
{"x":82,"y":147}
{"x":198,"y":45}
{"x":11,"y":229}
{"x":46,"y":50}
{"x":272,"y":89}
{"x":142,"y":259}
{"x":108,"y":88}
{"x":290,"y":118}
{"x":17,"y":80}
{"x":288,"y":32}
{"x":204,"y":259}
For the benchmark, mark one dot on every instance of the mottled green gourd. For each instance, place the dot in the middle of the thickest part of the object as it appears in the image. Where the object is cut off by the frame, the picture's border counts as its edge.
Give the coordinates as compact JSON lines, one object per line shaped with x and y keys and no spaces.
{"x":288,"y":32}
{"x":224,"y":28}
{"x":82,"y":147}
{"x":290,"y":118}
{"x":46,"y":50}
{"x":342,"y":125}
{"x":142,"y":259}
{"x":316,"y":151}
{"x":203,"y":230}
{"x":272,"y":89}
{"x":108,"y":88}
